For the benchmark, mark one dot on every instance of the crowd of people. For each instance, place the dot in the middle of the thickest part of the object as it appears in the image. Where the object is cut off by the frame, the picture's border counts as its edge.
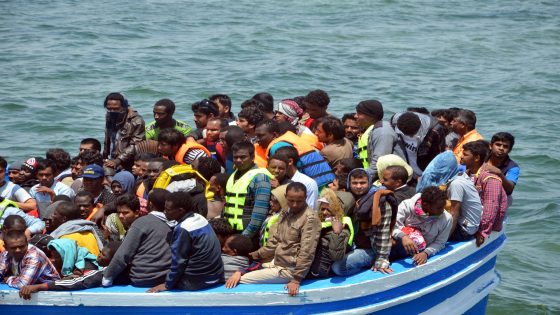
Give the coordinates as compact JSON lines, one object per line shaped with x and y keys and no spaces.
{"x":281,"y":193}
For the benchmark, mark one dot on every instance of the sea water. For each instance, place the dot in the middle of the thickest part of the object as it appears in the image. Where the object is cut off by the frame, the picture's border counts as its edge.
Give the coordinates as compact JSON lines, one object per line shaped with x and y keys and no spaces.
{"x":58,"y":60}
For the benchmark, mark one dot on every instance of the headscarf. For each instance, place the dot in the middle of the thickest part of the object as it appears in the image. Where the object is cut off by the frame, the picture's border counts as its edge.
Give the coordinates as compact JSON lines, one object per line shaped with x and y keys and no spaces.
{"x":73,"y":256}
{"x":280,"y":194}
{"x":126,"y":179}
{"x":440,"y":170}
{"x":115,"y":227}
{"x":291,"y":109}
{"x":391,"y":160}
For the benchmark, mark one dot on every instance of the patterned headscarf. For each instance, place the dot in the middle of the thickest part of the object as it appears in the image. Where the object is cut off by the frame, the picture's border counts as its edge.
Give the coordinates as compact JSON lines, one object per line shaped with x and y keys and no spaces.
{"x":290,"y":109}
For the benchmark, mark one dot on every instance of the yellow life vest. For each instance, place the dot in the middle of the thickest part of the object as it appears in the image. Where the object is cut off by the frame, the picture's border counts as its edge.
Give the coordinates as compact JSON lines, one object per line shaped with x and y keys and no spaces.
{"x":235,"y":196}
{"x":165,"y":178}
{"x":269,"y":224}
{"x":5,"y":204}
{"x":362,"y":146}
{"x":345,"y":220}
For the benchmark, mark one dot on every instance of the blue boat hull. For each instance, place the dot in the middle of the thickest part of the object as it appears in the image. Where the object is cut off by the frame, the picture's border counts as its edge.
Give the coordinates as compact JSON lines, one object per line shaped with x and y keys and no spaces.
{"x":457,"y":280}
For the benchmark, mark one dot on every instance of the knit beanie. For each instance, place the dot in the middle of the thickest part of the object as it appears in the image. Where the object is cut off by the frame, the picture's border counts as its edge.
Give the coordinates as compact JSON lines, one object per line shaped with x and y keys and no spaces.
{"x":372,"y":108}
{"x":291,"y":109}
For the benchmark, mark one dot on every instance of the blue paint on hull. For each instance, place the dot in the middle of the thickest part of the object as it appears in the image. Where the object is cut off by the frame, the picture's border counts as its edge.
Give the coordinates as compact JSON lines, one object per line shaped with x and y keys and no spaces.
{"x":428,"y":300}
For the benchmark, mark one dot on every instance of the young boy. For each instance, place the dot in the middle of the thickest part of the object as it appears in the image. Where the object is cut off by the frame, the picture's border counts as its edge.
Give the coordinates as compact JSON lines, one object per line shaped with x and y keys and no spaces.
{"x":499,"y":162}
{"x":211,"y":141}
{"x":422,"y":226}
{"x":489,"y":186}
{"x":235,"y":254}
{"x":196,"y":261}
{"x":91,"y":279}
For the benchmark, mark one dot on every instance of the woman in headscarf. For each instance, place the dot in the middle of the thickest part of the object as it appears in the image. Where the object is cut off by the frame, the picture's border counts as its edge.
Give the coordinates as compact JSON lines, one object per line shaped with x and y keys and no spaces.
{"x":123,"y":182}
{"x":337,"y":235}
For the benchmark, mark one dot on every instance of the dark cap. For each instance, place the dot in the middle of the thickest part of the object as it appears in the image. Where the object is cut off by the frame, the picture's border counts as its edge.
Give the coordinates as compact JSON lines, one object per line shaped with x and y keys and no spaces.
{"x":30,"y":165}
{"x":93,"y":171}
{"x":372,"y":108}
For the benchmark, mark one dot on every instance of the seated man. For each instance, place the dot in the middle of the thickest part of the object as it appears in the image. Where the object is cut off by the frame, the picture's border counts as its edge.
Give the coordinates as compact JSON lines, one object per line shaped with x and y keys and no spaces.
{"x":466,"y":207}
{"x":144,"y":256}
{"x":330,"y":131}
{"x":14,"y":192}
{"x":196,"y":261}
{"x":292,"y":246}
{"x":394,"y":178}
{"x":489,"y":186}
{"x":373,"y":239}
{"x":48,"y":188}
{"x":422,"y":226}
{"x":33,"y":224}
{"x":23,"y":264}
{"x":66,"y":222}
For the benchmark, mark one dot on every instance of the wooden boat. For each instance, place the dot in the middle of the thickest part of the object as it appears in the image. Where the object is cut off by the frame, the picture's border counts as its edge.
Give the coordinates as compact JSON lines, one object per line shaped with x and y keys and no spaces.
{"x":457,"y":280}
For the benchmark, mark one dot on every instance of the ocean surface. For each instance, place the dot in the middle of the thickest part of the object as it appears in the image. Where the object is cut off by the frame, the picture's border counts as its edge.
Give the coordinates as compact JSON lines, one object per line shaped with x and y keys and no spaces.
{"x":58,"y":60}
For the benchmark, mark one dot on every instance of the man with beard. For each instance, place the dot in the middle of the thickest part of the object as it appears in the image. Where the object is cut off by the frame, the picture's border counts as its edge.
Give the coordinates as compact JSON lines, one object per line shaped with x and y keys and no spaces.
{"x":124,"y":128}
{"x":163,"y":116}
{"x":351,"y":129}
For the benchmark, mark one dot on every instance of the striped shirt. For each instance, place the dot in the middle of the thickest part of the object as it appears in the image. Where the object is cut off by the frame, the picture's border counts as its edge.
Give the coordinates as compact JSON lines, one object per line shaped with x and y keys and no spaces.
{"x":34,"y":268}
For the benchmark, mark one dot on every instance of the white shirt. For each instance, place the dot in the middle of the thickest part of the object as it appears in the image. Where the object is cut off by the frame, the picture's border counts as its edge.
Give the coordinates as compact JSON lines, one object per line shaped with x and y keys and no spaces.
{"x":312,"y":188}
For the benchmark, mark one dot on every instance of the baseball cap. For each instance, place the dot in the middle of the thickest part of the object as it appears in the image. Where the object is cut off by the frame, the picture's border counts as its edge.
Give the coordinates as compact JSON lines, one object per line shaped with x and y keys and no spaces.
{"x":93,"y":171}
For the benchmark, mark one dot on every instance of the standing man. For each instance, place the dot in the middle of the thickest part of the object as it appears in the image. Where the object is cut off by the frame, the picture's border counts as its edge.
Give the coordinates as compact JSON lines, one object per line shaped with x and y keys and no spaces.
{"x":224,"y":106}
{"x":499,"y":162}
{"x":163,"y":116}
{"x":124,"y":128}
{"x":378,"y":138}
{"x":316,"y":103}
{"x":247,"y":192}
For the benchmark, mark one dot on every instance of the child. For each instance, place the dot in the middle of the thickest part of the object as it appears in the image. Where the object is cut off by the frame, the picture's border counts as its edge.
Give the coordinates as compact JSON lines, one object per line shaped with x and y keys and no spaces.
{"x":235,"y":254}
{"x":424,"y":218}
{"x":70,"y":259}
{"x":278,"y":203}
{"x":218,"y":187}
{"x":90,"y":279}
{"x":222,"y":229}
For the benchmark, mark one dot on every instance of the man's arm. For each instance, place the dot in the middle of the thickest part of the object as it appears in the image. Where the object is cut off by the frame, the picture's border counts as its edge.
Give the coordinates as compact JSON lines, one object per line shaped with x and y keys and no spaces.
{"x":381,"y":142}
{"x":123,"y":256}
{"x":260,"y":187}
{"x":311,"y":231}
{"x":492,"y":194}
{"x":381,"y":241}
{"x":24,"y":200}
{"x":30,"y":271}
{"x":180,"y":254}
{"x":138,"y":134}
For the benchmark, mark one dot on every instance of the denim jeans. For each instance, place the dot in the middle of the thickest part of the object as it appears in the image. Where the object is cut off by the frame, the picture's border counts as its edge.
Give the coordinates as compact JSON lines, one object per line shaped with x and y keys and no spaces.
{"x":354,"y":262}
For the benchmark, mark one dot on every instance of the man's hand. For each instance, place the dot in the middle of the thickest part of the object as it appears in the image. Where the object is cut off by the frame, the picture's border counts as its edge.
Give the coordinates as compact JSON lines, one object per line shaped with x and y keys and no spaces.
{"x":479,"y":239}
{"x":492,"y":169}
{"x":46,"y":190}
{"x":26,"y":290}
{"x":409,"y":245}
{"x":292,"y":287}
{"x":233,"y":280}
{"x":254,"y":255}
{"x":274,"y":183}
{"x":28,"y":234}
{"x":386,"y":271}
{"x":111,"y":163}
{"x":158,"y":288}
{"x":336,"y":226}
{"x":420,"y":258}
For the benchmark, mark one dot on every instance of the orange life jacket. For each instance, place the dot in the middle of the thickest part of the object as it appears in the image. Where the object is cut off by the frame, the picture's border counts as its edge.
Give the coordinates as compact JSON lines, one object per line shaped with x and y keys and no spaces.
{"x":180,"y":155}
{"x":312,"y":140}
{"x":260,"y":156}
{"x":293,"y":139}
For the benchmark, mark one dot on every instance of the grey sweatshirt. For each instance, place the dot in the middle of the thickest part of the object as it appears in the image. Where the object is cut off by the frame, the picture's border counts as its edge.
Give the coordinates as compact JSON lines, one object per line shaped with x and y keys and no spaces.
{"x":145,"y":248}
